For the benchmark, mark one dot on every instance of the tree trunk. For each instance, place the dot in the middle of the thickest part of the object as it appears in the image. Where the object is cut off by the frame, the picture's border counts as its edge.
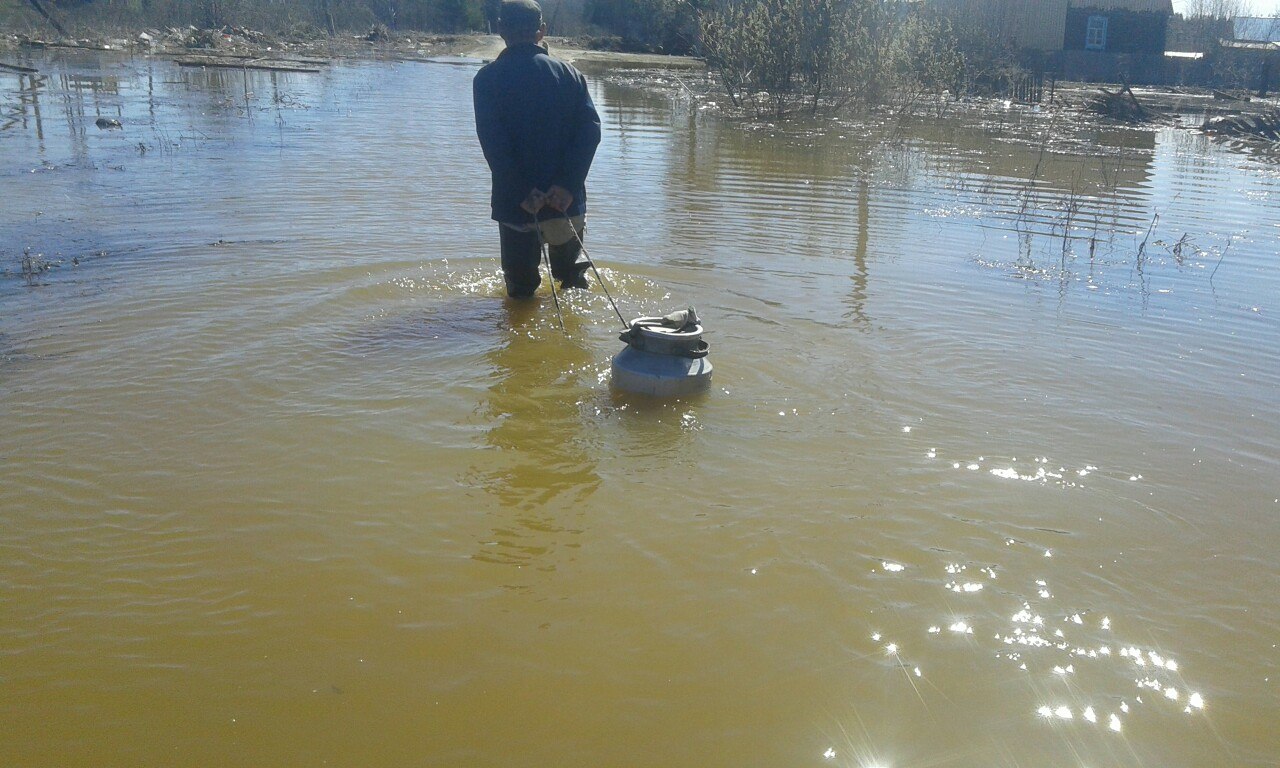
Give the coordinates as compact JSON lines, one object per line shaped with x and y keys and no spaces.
{"x":39,"y":6}
{"x":328,"y":19}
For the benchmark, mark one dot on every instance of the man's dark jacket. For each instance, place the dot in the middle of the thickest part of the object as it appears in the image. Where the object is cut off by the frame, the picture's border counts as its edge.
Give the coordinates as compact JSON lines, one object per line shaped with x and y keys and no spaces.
{"x":537,"y":126}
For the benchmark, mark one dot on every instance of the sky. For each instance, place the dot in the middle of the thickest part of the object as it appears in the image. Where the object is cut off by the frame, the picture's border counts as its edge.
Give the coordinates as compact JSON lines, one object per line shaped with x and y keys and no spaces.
{"x":1258,"y":7}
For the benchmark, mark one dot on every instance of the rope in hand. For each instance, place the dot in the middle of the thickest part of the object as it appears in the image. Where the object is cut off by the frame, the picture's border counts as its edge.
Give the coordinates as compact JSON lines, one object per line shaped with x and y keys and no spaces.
{"x":599,"y":277}
{"x":546,"y":249}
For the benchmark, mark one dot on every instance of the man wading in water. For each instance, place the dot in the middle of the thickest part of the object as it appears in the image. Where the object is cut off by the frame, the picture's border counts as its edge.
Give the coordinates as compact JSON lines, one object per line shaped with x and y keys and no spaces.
{"x":539,"y":132}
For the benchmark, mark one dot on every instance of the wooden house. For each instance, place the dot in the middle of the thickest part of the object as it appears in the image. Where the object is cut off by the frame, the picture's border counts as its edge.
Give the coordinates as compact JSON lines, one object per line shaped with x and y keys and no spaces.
{"x":1080,"y":39}
{"x":1253,"y":52}
{"x":1030,"y":25}
{"x":1117,"y":26}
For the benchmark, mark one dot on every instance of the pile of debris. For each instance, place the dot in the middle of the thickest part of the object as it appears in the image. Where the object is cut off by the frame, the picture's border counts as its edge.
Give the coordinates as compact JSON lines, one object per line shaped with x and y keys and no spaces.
{"x":227,"y":38}
{"x":1122,"y":105}
{"x":1263,"y":126}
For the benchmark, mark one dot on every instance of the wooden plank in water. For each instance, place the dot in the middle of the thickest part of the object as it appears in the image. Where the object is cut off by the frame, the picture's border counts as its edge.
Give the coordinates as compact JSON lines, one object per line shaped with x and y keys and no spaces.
{"x":18,"y":69}
{"x":264,"y":65}
{"x":58,"y":44}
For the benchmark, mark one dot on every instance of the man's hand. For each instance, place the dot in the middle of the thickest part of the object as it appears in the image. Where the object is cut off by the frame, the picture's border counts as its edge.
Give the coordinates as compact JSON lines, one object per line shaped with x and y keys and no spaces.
{"x":534,"y":201}
{"x":559,"y":198}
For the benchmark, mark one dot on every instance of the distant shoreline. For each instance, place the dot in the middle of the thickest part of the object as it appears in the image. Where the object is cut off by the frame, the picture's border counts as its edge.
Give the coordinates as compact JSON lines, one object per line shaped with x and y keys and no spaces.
{"x":240,"y":43}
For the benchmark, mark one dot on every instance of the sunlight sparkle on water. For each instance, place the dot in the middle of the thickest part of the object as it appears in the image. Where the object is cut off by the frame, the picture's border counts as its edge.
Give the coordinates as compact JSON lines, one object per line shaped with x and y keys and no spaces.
{"x":1040,"y":475}
{"x":1025,"y":616}
{"x":1067,"y":654}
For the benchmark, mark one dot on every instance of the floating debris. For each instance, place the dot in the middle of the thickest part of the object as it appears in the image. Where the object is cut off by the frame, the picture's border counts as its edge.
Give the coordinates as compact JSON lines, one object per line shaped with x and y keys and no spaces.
{"x":1264,"y":126}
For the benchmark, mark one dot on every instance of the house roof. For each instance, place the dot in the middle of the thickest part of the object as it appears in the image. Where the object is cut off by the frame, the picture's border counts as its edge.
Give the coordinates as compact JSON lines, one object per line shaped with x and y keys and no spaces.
{"x":1248,"y":45}
{"x":1257,"y":29}
{"x":1153,"y":6}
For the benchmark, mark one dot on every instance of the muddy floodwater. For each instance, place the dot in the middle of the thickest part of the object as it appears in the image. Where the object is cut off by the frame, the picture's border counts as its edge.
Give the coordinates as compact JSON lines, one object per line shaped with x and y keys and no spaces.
{"x":987,"y":475}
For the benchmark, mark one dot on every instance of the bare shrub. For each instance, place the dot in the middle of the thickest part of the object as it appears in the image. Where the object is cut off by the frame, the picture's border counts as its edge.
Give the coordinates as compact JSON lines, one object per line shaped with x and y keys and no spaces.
{"x":778,"y":57}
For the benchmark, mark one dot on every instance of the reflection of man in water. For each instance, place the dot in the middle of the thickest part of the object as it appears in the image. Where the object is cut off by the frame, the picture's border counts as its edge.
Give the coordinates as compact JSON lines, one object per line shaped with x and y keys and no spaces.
{"x":539,"y":131}
{"x":534,"y":407}
{"x":538,"y":463}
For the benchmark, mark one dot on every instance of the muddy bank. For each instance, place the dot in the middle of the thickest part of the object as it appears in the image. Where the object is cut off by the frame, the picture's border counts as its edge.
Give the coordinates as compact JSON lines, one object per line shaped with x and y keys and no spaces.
{"x":239,"y":47}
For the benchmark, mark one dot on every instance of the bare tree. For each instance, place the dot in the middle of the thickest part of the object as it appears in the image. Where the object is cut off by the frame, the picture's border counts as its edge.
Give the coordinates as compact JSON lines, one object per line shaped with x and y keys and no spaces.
{"x":387,"y":11}
{"x":328,"y":18}
{"x":40,"y":9}
{"x":1218,"y":9}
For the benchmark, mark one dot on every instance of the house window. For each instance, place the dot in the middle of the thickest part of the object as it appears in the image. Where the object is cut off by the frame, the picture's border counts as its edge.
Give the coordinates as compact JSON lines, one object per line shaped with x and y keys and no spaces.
{"x":1095,"y":35}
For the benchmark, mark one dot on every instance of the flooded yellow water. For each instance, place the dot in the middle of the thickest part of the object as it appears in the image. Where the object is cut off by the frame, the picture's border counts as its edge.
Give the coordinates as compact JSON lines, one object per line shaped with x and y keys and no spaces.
{"x":285,"y":481}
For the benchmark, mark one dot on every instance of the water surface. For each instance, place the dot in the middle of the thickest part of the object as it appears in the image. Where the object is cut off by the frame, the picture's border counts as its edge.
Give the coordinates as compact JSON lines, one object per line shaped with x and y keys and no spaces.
{"x":987,"y":475}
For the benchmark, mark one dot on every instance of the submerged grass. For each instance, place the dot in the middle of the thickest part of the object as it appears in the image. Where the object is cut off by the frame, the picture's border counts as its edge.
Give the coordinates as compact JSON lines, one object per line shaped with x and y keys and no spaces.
{"x":34,"y":266}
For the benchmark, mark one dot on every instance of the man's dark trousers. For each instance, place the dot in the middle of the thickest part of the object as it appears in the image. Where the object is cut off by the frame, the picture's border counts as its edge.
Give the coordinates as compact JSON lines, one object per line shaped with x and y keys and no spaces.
{"x":522,"y":255}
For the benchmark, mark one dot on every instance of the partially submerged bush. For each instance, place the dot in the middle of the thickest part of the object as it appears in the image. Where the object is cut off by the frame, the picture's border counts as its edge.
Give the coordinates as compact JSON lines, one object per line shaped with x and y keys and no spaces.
{"x":782,"y":56}
{"x":647,"y":26}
